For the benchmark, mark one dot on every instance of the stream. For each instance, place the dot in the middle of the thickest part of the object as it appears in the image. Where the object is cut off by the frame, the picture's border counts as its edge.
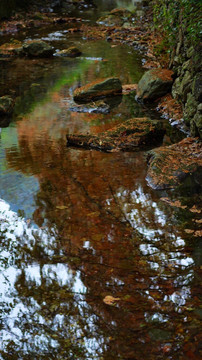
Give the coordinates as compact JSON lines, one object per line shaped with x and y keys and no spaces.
{"x":93,"y":263}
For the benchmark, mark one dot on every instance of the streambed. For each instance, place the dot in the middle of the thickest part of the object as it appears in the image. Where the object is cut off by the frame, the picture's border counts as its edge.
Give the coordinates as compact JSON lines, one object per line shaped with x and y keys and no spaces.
{"x":78,"y":226}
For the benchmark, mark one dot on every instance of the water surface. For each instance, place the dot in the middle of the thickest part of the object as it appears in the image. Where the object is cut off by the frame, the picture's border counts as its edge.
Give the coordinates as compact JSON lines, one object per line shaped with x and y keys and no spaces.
{"x":77,"y":226}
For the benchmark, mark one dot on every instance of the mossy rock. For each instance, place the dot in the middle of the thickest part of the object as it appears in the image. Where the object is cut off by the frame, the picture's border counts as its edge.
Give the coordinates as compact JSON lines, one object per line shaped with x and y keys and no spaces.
{"x":37,"y":49}
{"x":154,"y":84}
{"x":196,"y":123}
{"x":190,"y":108}
{"x":169,"y":166}
{"x":132,"y":135}
{"x":111,"y":20}
{"x":98,"y":89}
{"x":70,"y":52}
{"x":6,"y":105}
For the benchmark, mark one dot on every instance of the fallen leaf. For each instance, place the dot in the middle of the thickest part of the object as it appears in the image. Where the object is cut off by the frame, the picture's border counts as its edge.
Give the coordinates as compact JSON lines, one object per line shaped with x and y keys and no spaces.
{"x":62,"y":207}
{"x":189,"y":231}
{"x":198,"y":221}
{"x":195,"y":210}
{"x":176,"y":203}
{"x":110,"y":300}
{"x":198,"y":233}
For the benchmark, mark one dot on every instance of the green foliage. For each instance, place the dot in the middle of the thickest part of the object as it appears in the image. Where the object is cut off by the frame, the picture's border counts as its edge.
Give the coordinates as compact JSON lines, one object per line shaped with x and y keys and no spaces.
{"x":171,"y":16}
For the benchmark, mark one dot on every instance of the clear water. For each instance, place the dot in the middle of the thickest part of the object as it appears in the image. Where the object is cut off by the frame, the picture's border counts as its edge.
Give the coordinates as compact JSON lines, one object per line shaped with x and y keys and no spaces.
{"x":77,"y":226}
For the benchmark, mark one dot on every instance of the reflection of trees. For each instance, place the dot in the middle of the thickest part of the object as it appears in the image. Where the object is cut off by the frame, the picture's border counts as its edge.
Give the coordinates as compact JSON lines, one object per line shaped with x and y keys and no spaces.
{"x":96,"y":203}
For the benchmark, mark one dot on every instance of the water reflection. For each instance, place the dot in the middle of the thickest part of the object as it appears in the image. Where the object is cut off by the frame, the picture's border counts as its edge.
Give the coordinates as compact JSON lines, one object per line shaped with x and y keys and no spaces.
{"x":77,"y":226}
{"x":109,"y":236}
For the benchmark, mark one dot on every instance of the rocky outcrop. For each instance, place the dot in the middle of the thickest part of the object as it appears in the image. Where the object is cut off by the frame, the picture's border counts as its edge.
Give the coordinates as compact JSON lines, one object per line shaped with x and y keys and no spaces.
{"x":70,"y":52}
{"x":6,"y":105}
{"x":36,"y":49}
{"x":132,"y":135}
{"x":154,"y":84}
{"x":98,"y":89}
{"x":169,"y":166}
{"x":187,"y":88}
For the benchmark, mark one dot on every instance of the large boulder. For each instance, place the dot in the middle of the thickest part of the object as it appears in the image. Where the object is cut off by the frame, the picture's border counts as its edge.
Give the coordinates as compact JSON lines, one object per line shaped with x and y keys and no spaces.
{"x":6,"y":105}
{"x":70,"y":52}
{"x":169,"y":166}
{"x":132,"y":135}
{"x":154,"y":84}
{"x":37,"y":49}
{"x":98,"y":89}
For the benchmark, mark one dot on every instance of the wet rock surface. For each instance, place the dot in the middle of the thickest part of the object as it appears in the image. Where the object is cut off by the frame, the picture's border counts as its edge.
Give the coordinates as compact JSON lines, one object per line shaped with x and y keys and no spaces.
{"x":116,"y":17}
{"x":36,"y":49}
{"x":154,"y":84}
{"x":97,"y":107}
{"x":132,"y":135}
{"x":70,"y":52}
{"x":6,"y":105}
{"x":169,"y":166}
{"x":98,"y":89}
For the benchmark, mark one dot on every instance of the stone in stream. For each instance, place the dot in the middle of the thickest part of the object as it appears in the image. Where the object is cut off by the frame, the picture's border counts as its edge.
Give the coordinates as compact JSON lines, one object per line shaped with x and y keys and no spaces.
{"x":131,"y":135}
{"x":37,"y":49}
{"x":70,"y":52}
{"x":154,"y":84}
{"x":116,"y":17}
{"x":97,"y":107}
{"x":98,"y":89}
{"x":6,"y":105}
{"x":169,"y":166}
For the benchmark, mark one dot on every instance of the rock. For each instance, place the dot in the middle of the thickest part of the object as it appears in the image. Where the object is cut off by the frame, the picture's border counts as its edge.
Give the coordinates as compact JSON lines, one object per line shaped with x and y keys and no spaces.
{"x":169,"y":166}
{"x":121,"y":12}
{"x":97,"y":107}
{"x":190,"y":52}
{"x":190,"y":108}
{"x":154,"y":84}
{"x":176,"y":89}
{"x":6,"y":105}
{"x":116,"y":17}
{"x":196,"y":123}
{"x":197,"y":87}
{"x":132,"y":135}
{"x":98,"y":89}
{"x":37,"y":48}
{"x":70,"y":52}
{"x":10,"y":49}
{"x":110,"y":20}
{"x":185,"y":86}
{"x":5,"y":121}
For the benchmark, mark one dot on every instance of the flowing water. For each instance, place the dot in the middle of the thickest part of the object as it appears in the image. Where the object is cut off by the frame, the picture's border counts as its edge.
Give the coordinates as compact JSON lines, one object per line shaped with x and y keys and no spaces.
{"x":79,"y":228}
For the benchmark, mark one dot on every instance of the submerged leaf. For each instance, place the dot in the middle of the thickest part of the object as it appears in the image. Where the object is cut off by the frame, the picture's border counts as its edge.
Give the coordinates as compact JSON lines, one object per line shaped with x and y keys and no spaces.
{"x":110,"y":300}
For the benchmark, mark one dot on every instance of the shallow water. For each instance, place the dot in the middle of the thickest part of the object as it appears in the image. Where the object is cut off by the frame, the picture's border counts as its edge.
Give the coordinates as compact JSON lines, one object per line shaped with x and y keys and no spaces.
{"x":77,"y":226}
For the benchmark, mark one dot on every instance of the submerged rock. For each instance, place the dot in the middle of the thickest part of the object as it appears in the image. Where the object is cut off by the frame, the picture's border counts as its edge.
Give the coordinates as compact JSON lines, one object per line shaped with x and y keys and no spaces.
{"x":97,"y":107}
{"x":98,"y":89}
{"x":6,"y":105}
{"x":5,"y":121}
{"x":70,"y":52}
{"x":37,"y":48}
{"x":169,"y":166}
{"x":154,"y":84}
{"x":132,"y":135}
{"x":10,"y":49}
